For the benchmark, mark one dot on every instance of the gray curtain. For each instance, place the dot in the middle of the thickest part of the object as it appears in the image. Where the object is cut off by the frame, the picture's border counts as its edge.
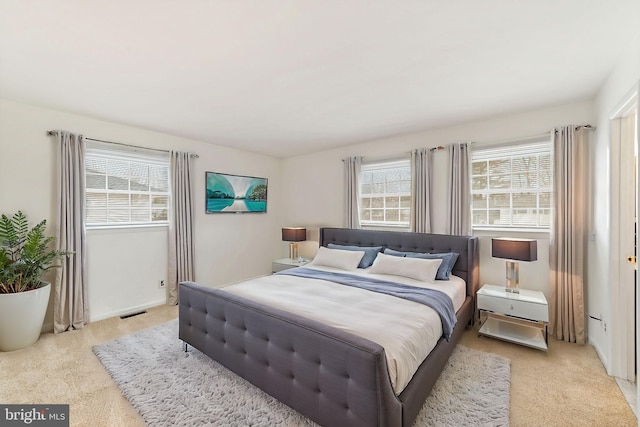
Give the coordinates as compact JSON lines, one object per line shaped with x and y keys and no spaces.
{"x":459,"y":190}
{"x":352,"y":166}
{"x":421,"y":171}
{"x":568,"y":231}
{"x":181,"y":266}
{"x":70,"y":308}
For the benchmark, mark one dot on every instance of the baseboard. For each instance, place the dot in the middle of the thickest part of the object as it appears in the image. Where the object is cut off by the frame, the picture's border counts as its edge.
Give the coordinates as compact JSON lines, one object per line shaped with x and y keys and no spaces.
{"x":603,"y":359}
{"x":48,"y":327}
{"x":126,"y":310}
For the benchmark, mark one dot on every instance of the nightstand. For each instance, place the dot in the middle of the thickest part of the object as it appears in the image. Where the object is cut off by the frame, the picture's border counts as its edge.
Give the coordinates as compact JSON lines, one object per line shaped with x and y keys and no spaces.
{"x":286,"y":263}
{"x":521,"y":318}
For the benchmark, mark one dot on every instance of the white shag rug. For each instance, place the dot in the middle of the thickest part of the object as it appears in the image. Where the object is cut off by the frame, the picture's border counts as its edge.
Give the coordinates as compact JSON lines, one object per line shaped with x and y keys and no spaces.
{"x":169,"y":387}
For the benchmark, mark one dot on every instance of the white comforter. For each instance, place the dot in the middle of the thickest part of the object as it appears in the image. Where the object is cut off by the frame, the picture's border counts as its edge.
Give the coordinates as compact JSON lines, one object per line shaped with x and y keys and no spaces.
{"x":407,"y":330}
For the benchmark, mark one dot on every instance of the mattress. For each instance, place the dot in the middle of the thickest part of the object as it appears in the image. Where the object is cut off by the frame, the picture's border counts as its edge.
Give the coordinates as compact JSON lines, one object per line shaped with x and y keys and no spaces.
{"x":407,"y":330}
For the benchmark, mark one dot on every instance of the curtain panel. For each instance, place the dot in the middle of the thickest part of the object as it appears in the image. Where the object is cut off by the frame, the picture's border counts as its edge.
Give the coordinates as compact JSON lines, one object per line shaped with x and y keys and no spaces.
{"x":70,"y":304}
{"x":181,"y":250}
{"x":421,"y":172}
{"x":568,"y":233}
{"x":459,"y":190}
{"x":352,"y":167}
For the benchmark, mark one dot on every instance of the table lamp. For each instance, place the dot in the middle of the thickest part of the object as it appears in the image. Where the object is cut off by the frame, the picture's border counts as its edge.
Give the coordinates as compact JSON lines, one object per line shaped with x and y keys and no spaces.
{"x":514,"y":250}
{"x":293,"y":235}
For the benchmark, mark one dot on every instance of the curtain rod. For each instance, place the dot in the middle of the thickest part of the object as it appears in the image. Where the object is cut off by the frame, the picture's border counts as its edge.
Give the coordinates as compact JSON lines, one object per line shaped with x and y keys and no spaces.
{"x":528,"y":138}
{"x":55,"y":132}
{"x":514,"y":140}
{"x":587,"y":127}
{"x":394,"y":157}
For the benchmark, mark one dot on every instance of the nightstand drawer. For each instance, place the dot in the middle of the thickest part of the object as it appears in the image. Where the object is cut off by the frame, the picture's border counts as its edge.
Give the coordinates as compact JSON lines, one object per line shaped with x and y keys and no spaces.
{"x":275,"y":267}
{"x":514,"y":307}
{"x":287,"y":263}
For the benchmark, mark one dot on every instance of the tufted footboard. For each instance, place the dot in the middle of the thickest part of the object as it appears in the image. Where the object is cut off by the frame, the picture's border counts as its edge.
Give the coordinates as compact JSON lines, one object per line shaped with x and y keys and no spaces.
{"x":332,"y":377}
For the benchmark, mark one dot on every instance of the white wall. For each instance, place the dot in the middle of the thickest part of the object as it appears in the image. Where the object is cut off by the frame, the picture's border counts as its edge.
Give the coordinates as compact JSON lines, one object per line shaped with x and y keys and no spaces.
{"x":312,"y":184}
{"x":622,"y":79}
{"x":126,"y":264}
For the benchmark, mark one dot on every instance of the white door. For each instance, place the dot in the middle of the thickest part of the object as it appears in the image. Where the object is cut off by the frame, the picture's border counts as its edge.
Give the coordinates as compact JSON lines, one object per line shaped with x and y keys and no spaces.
{"x":624,"y":203}
{"x":624,"y":351}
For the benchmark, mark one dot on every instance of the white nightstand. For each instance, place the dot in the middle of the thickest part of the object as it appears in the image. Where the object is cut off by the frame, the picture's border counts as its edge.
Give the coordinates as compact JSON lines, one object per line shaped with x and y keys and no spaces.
{"x":521,"y":318}
{"x":286,"y":263}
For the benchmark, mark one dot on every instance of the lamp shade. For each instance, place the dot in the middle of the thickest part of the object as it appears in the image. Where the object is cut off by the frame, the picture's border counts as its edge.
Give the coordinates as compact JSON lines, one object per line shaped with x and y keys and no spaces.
{"x":294,"y":234}
{"x":515,"y":249}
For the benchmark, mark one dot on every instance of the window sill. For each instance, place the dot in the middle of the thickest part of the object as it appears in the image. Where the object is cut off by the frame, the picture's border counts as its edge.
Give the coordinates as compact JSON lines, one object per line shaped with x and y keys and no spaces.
{"x":127,"y":226}
{"x":395,"y":227}
{"x":509,"y":231}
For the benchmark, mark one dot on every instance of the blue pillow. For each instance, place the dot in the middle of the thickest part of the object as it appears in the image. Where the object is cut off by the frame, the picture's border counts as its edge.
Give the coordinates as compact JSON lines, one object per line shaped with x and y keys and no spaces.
{"x":444,"y":271}
{"x":392,"y":252}
{"x":370,"y":253}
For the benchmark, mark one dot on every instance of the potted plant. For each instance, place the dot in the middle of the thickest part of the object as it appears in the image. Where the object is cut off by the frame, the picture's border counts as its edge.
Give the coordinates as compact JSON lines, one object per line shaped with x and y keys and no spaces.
{"x":25,"y":256}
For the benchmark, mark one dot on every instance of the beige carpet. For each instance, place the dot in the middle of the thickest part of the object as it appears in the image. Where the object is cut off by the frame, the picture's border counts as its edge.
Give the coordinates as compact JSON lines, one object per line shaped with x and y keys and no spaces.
{"x":565,"y":387}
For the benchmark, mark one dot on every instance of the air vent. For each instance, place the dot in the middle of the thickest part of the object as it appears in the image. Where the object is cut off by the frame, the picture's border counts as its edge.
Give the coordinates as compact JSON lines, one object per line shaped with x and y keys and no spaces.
{"x":126,"y":316}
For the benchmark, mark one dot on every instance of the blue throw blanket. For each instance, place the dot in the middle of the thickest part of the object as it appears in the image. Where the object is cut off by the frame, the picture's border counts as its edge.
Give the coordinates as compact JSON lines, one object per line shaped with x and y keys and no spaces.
{"x":437,"y":300}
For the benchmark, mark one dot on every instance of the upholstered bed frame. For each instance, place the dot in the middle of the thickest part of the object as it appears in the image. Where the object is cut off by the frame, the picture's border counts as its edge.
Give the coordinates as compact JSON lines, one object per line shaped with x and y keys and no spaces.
{"x":332,"y":377}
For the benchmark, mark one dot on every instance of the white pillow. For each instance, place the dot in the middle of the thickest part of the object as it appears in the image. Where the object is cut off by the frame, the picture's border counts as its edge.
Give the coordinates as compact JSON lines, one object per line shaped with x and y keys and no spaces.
{"x":337,"y":258}
{"x":414,"y":268}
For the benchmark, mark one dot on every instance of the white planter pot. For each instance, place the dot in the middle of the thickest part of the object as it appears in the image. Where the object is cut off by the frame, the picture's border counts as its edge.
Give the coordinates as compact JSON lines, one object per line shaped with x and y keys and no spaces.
{"x":21,"y":317}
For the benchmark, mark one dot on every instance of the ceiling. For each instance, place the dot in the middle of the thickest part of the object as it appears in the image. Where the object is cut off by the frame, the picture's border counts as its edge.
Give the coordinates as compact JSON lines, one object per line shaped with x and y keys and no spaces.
{"x":286,"y":77}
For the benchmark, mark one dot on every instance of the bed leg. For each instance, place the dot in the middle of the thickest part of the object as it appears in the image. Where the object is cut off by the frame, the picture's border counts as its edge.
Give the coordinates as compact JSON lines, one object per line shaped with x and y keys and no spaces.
{"x":185,"y":346}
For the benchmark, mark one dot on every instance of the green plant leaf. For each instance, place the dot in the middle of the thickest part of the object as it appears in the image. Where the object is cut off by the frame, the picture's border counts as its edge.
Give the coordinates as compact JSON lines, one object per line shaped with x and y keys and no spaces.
{"x":25,"y":254}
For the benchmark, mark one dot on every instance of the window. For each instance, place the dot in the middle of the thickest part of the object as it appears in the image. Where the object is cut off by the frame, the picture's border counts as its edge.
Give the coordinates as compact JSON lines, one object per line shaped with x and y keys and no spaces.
{"x":126,"y":188}
{"x":511,"y":186}
{"x":385,"y":193}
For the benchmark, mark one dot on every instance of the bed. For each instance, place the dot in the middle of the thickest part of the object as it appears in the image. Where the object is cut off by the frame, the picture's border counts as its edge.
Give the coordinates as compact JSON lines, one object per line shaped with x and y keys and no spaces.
{"x":331,"y":376}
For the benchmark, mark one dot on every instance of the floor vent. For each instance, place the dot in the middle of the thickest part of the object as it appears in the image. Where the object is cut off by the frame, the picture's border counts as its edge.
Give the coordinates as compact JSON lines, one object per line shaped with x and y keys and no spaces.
{"x":126,"y":316}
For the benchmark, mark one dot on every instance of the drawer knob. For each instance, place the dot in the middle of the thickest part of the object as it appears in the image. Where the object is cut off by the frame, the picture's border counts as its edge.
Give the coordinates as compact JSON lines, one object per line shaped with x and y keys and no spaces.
{"x":511,"y":306}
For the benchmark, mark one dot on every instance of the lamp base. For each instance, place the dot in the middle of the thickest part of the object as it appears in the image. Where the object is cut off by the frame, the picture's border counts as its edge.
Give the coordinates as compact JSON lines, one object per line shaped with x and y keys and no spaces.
{"x":513,"y":277}
{"x":293,"y":250}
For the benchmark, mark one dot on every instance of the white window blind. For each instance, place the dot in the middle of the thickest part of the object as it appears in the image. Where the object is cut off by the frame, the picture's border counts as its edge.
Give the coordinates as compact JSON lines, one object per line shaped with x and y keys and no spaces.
{"x":385,"y":193}
{"x":512,"y":185}
{"x":126,"y":188}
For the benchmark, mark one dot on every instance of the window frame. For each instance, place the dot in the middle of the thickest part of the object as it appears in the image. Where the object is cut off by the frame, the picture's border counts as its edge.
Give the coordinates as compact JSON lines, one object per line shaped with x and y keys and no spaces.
{"x":539,"y":147}
{"x":157,"y":160}
{"x":378,"y":166}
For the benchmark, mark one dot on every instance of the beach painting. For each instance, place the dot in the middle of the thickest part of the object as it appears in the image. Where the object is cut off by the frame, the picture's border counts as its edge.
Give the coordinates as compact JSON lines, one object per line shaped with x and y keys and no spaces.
{"x":235,"y":193}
